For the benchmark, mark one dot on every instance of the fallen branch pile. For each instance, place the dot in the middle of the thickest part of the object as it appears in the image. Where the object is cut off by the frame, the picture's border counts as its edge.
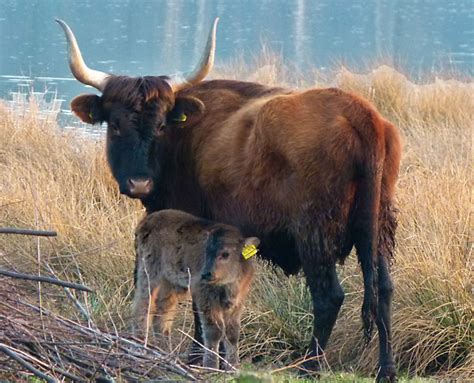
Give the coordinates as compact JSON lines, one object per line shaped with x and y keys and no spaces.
{"x":36,"y":341}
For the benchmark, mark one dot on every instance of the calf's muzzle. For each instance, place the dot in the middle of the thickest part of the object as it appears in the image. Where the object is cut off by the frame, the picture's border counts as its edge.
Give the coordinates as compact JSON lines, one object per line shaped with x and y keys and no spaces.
{"x":207,"y":276}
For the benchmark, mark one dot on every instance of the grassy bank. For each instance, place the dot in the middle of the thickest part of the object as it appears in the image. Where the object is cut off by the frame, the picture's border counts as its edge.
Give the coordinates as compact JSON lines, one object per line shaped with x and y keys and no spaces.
{"x":51,"y":179}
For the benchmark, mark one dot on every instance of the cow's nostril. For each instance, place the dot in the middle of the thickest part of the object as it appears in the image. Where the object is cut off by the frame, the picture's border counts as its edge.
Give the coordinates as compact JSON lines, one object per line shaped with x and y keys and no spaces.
{"x":139,"y":187}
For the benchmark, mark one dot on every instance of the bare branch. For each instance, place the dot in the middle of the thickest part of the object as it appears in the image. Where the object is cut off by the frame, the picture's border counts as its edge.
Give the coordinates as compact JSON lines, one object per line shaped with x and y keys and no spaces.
{"x":12,"y":354}
{"x":76,"y":302}
{"x":38,"y":233}
{"x":54,"y":281}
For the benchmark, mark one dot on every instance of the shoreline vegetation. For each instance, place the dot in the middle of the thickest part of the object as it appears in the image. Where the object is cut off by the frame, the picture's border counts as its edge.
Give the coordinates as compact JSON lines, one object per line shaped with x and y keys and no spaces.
{"x":55,"y":179}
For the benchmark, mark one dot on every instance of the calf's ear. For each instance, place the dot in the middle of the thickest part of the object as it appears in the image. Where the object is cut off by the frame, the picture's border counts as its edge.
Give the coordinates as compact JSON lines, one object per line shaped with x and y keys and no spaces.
{"x":210,"y":232}
{"x":185,"y":107}
{"x":252,"y":241}
{"x":87,"y":108}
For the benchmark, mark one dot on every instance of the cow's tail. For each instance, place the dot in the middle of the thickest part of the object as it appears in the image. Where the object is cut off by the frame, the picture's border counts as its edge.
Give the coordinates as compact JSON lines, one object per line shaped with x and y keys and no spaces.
{"x":365,"y":226}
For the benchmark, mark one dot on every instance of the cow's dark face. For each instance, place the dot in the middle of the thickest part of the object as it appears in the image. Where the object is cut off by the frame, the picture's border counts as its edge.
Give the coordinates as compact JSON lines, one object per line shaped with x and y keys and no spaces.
{"x":140,"y":113}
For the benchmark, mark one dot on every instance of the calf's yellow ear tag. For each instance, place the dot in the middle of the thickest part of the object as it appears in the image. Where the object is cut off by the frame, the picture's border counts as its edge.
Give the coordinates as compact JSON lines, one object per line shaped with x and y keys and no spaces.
{"x":249,"y":251}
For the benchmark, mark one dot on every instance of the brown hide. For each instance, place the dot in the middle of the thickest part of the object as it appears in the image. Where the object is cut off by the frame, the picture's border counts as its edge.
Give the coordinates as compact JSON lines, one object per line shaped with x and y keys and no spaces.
{"x":173,"y":251}
{"x":272,"y":160}
{"x":312,"y":173}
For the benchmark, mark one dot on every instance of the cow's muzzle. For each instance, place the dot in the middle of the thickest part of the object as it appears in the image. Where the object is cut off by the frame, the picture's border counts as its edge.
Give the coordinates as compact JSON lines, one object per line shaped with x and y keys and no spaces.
{"x":139,"y":187}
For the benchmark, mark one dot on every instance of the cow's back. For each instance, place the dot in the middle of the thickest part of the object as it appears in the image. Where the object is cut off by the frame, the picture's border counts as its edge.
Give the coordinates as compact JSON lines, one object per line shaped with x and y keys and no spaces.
{"x":276,"y":152}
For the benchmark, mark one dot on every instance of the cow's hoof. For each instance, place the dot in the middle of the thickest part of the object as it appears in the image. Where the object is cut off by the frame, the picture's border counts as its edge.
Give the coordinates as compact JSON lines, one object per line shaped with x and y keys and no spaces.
{"x":195,"y":356}
{"x":310,"y":368}
{"x":387,"y":374}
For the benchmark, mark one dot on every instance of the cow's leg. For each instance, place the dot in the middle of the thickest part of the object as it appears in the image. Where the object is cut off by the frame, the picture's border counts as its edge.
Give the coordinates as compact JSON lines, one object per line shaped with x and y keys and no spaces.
{"x":196,"y":351}
{"x":327,"y":295}
{"x":369,"y":305}
{"x":387,"y":371}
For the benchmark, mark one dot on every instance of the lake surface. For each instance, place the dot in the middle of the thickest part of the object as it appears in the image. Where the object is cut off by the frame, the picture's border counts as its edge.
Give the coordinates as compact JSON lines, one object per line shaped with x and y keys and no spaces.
{"x":163,"y":37}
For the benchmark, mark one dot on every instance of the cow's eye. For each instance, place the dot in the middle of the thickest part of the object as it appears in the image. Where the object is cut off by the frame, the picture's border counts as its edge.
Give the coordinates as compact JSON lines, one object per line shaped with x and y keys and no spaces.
{"x":114,"y":129}
{"x":160,"y":129}
{"x":225,"y":255}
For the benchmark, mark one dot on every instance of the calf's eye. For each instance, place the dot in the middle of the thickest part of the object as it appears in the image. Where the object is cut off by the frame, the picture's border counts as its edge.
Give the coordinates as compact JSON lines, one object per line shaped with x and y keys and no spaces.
{"x":225,"y":255}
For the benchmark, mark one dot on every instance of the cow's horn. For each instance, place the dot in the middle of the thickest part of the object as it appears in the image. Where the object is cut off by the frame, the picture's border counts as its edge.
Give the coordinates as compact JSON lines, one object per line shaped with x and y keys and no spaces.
{"x":78,"y":67}
{"x":204,"y":66}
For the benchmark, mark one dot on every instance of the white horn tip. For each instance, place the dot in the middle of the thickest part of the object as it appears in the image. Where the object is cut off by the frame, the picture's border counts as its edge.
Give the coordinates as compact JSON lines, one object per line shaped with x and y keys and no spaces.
{"x":60,"y":22}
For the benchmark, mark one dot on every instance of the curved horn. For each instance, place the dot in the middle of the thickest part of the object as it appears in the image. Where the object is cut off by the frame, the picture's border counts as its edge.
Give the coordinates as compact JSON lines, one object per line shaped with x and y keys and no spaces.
{"x":204,"y":66}
{"x":78,"y":67}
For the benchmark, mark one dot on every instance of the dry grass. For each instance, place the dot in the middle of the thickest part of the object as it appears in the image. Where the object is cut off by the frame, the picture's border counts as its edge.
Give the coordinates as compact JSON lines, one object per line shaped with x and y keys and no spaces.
{"x":53,"y":179}
{"x":56,"y":180}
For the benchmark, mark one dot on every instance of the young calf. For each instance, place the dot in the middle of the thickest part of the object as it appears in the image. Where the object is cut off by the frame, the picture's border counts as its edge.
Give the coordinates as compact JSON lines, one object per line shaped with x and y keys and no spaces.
{"x":176,"y":252}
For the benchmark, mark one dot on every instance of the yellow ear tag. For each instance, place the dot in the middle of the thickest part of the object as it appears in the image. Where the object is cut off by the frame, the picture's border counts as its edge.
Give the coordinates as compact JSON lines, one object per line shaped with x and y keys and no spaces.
{"x":249,"y":251}
{"x":182,"y":118}
{"x":90,"y":116}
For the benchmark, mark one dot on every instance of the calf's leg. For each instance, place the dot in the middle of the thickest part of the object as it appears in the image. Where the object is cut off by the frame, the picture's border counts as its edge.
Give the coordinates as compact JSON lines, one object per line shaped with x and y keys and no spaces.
{"x":213,"y":332}
{"x":196,"y":351}
{"x":166,"y":302}
{"x":231,"y":341}
{"x":144,"y":306}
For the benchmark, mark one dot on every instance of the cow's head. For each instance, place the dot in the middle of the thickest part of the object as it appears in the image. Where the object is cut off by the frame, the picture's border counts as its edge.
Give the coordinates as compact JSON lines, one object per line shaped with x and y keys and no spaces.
{"x":139,"y":112}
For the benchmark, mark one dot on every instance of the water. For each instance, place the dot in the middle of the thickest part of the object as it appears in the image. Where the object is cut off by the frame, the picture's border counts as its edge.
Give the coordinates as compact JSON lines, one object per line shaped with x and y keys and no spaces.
{"x":162,"y":37}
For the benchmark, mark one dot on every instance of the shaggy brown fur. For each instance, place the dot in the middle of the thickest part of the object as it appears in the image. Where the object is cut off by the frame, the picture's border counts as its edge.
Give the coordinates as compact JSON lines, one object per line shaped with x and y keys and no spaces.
{"x":177,"y":252}
{"x":312,"y":173}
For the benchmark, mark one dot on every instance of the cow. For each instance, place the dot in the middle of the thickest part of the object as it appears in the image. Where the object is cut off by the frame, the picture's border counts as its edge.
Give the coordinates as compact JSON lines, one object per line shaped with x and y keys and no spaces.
{"x":312,"y":173}
{"x":177,"y":252}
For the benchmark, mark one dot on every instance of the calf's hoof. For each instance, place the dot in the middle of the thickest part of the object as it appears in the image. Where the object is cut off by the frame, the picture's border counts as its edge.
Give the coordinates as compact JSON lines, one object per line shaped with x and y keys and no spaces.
{"x":228,"y":365}
{"x":386,"y":374}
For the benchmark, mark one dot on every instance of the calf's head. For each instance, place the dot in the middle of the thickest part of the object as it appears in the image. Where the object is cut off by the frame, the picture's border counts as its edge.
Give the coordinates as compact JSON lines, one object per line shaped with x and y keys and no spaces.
{"x":224,"y":262}
{"x":140,"y":113}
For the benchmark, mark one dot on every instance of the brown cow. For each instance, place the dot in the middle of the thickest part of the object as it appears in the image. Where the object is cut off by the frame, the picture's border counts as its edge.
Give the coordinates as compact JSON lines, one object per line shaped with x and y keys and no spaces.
{"x":177,"y":252}
{"x":312,"y":173}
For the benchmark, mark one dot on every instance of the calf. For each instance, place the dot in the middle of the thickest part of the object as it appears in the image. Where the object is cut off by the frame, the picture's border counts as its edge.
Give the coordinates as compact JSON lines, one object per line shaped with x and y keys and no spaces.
{"x":177,"y":252}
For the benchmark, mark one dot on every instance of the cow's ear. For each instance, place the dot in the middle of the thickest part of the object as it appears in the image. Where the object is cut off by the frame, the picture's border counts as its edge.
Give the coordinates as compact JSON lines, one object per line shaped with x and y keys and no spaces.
{"x":88,"y":108}
{"x":185,"y":108}
{"x":252,"y":241}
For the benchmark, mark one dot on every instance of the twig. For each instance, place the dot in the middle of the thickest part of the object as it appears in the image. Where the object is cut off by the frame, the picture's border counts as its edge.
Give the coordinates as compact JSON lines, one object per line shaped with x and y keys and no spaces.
{"x":38,"y":233}
{"x":109,"y":339}
{"x":54,"y":281}
{"x":50,"y":366}
{"x":303,"y":360}
{"x":211,"y":351}
{"x":11,"y":203}
{"x":25,"y":364}
{"x":72,"y":297}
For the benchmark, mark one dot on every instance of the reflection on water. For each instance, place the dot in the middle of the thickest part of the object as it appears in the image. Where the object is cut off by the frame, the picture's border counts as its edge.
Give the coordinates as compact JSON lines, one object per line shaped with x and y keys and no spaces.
{"x":159,"y":37}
